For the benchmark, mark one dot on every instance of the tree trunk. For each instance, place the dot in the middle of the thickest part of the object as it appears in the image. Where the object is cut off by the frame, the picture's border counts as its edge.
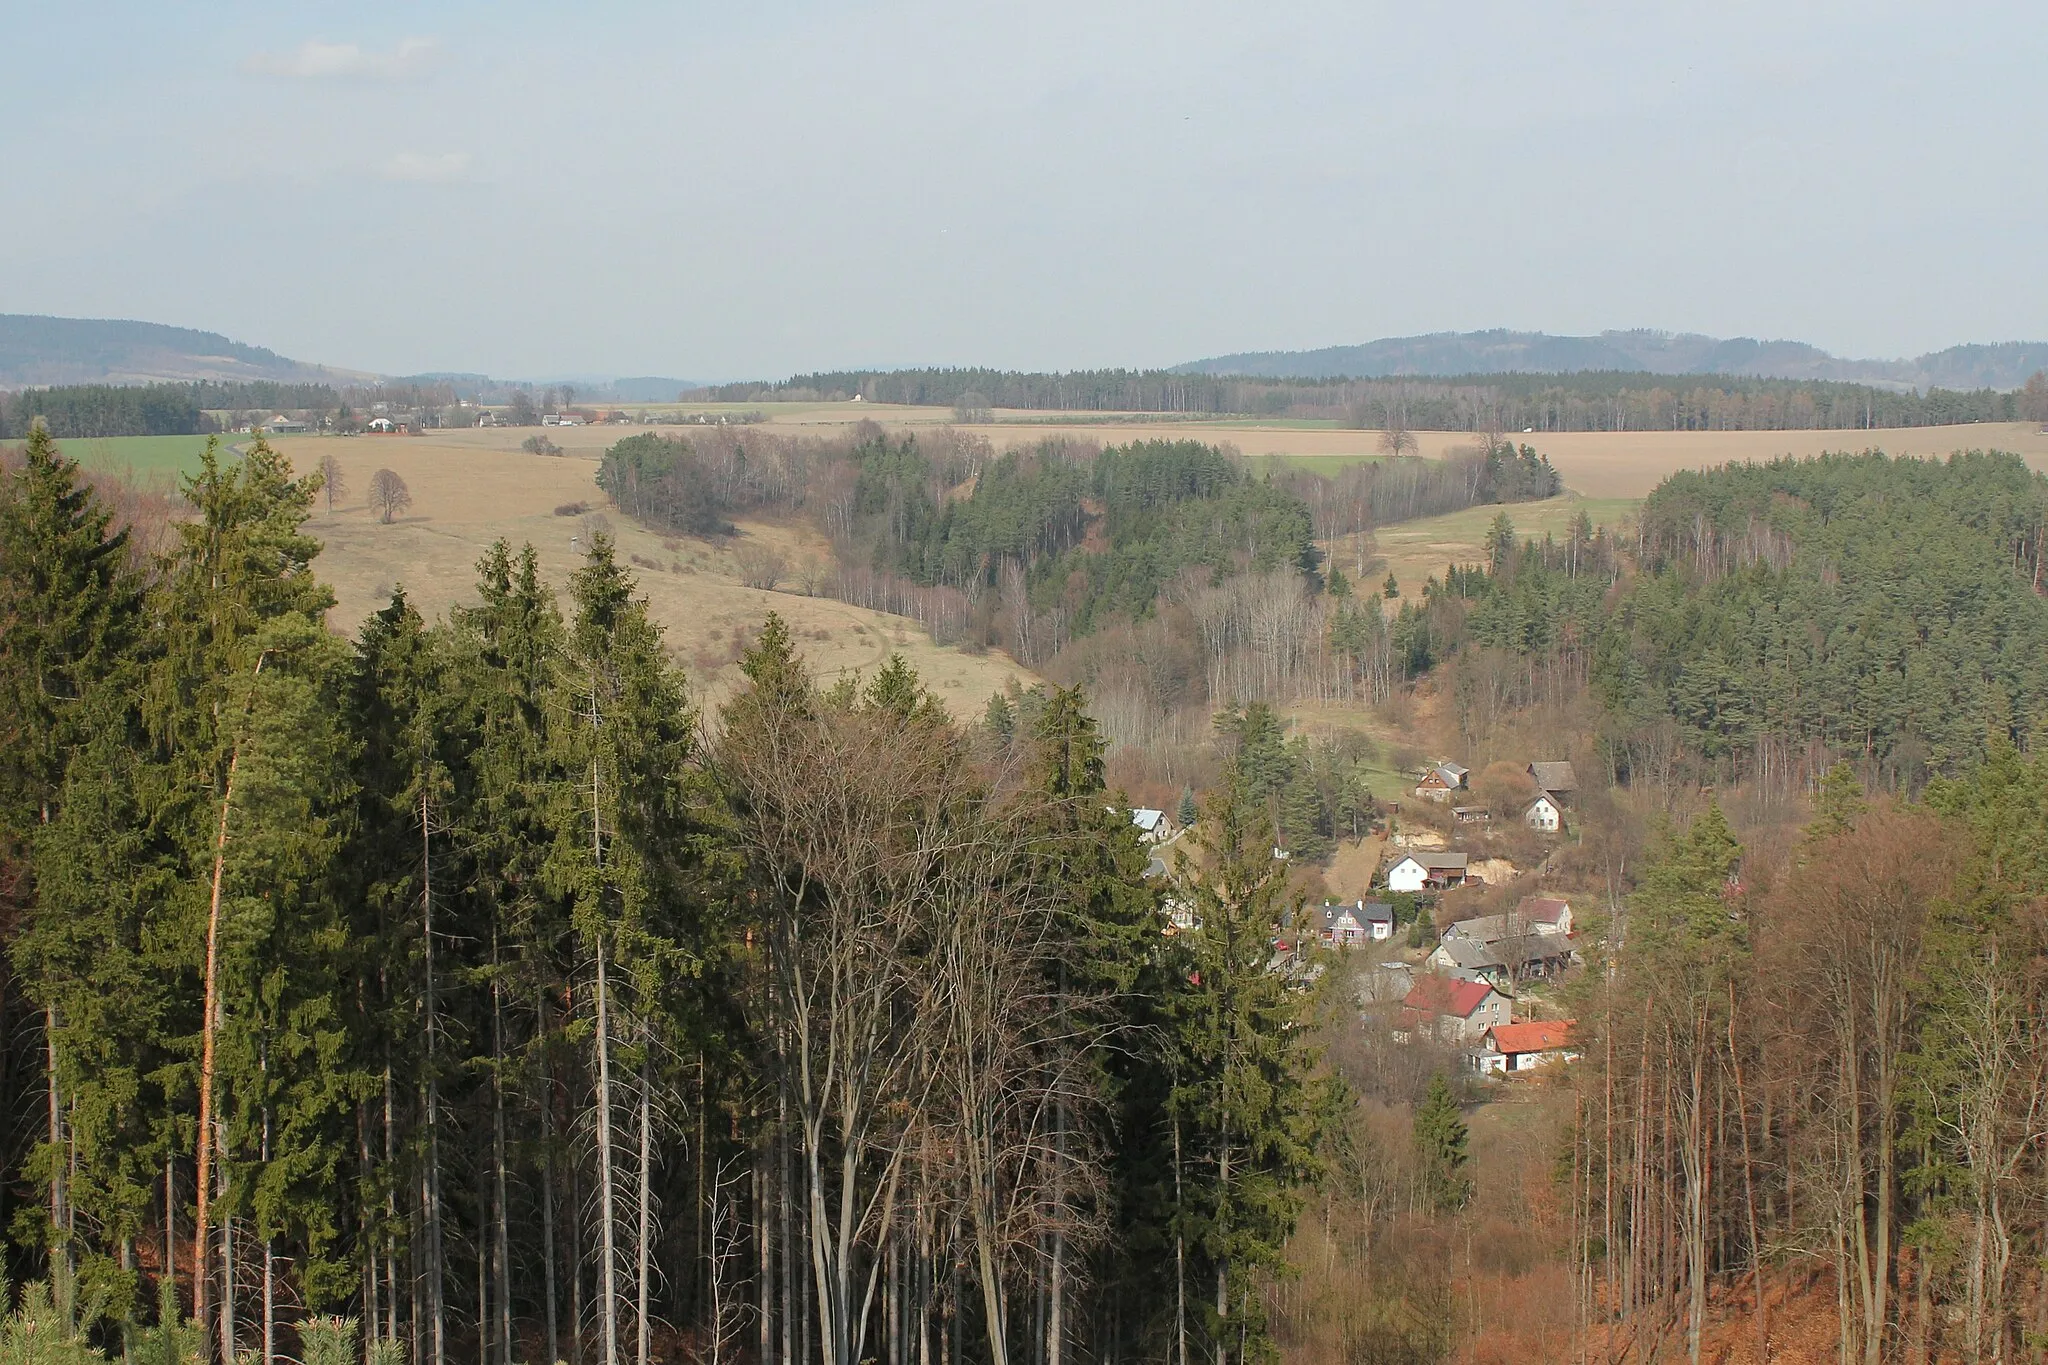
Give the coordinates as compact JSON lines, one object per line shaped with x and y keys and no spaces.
{"x":437,"y":1303}
{"x":607,"y":1189}
{"x":502,"y":1234}
{"x":645,"y":1249}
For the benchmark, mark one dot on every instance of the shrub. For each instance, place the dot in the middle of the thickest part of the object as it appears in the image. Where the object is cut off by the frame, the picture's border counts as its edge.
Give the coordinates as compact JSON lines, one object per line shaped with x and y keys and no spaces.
{"x":572,"y":509}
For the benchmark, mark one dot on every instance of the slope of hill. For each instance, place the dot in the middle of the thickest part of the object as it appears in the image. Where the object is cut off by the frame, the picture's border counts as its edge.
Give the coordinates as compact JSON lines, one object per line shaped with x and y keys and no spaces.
{"x":2005,"y":365}
{"x":40,"y":351}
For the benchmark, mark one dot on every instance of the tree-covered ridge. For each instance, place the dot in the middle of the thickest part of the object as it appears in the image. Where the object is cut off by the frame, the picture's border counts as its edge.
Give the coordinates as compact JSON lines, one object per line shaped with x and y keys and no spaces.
{"x":1592,"y":400}
{"x":1889,"y":608}
{"x":1098,"y":538}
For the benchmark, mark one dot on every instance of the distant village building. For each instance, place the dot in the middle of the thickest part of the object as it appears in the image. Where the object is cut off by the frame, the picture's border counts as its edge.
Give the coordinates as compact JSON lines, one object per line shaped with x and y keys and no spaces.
{"x":1347,"y":926}
{"x":1154,"y":826}
{"x":1511,"y":1048}
{"x":1543,"y":816}
{"x":1555,"y":780}
{"x":1428,"y":872}
{"x":284,"y":426}
{"x":1451,"y":1011}
{"x":1440,"y":781}
{"x":1530,"y":942}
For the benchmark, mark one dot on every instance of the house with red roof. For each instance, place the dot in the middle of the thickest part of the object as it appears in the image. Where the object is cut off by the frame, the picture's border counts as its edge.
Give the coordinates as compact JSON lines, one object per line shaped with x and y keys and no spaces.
{"x":1513,"y":1048}
{"x":1451,"y":1011}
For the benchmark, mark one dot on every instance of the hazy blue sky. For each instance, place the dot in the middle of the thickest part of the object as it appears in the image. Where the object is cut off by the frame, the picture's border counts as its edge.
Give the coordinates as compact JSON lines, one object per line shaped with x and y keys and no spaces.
{"x":757,"y":187}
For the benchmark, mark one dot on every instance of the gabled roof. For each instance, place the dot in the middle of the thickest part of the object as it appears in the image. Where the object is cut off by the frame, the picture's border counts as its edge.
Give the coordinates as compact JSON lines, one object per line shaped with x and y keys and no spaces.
{"x":1147,"y":819}
{"x":1434,"y":862}
{"x":1378,"y":912}
{"x":1456,"y":772}
{"x":1542,"y":799}
{"x":1470,"y":954}
{"x":1543,"y":909}
{"x":1535,"y":1035}
{"x":1441,"y":995}
{"x":1555,"y":776}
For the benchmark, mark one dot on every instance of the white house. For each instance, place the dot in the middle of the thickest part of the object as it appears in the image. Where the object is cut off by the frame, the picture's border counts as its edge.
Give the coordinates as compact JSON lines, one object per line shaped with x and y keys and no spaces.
{"x":1509,"y":1048}
{"x":1427,"y":871}
{"x":1543,"y":815}
{"x":284,"y":426}
{"x":1154,"y":826}
{"x":380,"y":424}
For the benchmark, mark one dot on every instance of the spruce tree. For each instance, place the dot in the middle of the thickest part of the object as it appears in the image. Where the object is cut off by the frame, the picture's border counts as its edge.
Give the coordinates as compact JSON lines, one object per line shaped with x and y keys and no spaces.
{"x":69,"y":607}
{"x":1442,"y":1148}
{"x":1249,"y":1108}
{"x":627,"y":852}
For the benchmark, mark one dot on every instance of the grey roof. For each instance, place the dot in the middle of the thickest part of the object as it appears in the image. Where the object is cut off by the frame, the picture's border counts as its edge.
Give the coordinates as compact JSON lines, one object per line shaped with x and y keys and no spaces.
{"x":1379,"y":910}
{"x":1457,"y":770}
{"x":1437,"y":861}
{"x":1554,"y":777}
{"x":1469,"y":954}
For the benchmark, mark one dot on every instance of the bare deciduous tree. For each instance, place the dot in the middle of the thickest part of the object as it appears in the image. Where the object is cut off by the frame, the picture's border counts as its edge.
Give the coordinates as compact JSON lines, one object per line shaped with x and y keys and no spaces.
{"x":761,"y":566}
{"x":331,"y":481}
{"x":388,"y":495}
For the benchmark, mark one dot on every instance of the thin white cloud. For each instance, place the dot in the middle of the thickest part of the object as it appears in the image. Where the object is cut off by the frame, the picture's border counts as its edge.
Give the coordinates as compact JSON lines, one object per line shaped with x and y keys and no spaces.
{"x":315,"y":60}
{"x":427,"y":168}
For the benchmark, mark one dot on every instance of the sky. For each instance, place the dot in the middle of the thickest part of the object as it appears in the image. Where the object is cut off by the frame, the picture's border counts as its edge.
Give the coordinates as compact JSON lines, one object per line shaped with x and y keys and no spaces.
{"x":722,"y":191}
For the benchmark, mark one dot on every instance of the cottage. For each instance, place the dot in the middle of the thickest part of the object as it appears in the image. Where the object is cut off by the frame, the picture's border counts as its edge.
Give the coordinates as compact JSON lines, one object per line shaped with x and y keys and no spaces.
{"x":1154,"y":826}
{"x":1471,"y":815}
{"x":1427,"y":871}
{"x":1556,"y":780}
{"x":1465,"y":959}
{"x":1440,"y":781}
{"x":1346,"y":926}
{"x":1452,"y":1011}
{"x":1546,"y":914}
{"x":1513,"y":1048}
{"x":1514,"y":948}
{"x":1543,"y":815}
{"x":284,"y":426}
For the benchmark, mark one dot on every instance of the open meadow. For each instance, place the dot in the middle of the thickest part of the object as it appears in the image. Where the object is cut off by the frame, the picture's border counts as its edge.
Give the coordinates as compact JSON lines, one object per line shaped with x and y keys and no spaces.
{"x":472,"y":487}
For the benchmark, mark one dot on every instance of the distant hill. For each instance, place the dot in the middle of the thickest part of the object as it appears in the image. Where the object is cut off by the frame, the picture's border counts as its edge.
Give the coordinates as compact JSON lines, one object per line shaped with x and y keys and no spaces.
{"x":42,"y":351}
{"x":1444,"y":354}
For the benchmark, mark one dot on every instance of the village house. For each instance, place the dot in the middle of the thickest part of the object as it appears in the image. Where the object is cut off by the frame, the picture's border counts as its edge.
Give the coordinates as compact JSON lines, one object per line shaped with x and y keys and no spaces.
{"x":1346,"y":926}
{"x":1471,"y":815}
{"x":1543,"y":815}
{"x":1509,"y":1049}
{"x":1467,"y":959}
{"x":1439,"y":781}
{"x":1451,"y":1011}
{"x":1546,"y":914}
{"x":1427,"y":872}
{"x":1510,"y":948}
{"x":1154,"y":826}
{"x":1555,"y":780}
{"x":284,"y":426}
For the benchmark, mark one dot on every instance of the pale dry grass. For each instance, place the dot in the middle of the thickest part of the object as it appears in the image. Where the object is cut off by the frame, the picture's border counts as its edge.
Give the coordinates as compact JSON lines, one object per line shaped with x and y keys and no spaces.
{"x":472,"y":487}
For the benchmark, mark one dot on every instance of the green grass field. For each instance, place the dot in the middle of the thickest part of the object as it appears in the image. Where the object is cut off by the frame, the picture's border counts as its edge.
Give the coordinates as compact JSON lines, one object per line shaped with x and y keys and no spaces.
{"x":1329,"y":466}
{"x":141,"y":457}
